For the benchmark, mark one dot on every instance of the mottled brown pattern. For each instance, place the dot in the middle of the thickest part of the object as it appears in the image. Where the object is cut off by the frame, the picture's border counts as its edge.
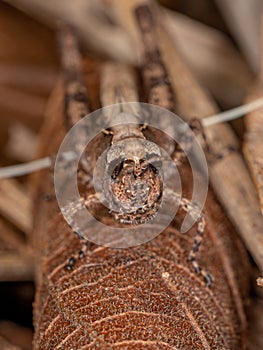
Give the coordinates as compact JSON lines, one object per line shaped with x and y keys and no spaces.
{"x":156,"y":80}
{"x":76,"y":101}
{"x":137,"y":185}
{"x":254,"y":141}
{"x":146,"y":297}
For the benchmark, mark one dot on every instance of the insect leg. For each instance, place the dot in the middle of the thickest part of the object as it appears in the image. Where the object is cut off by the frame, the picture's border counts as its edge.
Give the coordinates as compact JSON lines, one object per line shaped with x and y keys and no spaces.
{"x":69,"y":211}
{"x":191,"y":208}
{"x":75,"y":91}
{"x":154,"y":73}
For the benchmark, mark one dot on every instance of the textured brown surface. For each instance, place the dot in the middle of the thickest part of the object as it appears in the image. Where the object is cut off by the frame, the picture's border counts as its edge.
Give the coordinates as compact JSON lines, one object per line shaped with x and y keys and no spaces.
{"x":145,"y":297}
{"x":254,"y":142}
{"x":29,"y":69}
{"x":5,"y":345}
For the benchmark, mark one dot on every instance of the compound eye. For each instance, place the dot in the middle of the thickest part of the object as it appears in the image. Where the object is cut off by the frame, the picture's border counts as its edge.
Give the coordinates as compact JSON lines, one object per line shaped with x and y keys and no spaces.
{"x":128,"y":162}
{"x":115,"y":158}
{"x":114,"y":154}
{"x":116,"y":171}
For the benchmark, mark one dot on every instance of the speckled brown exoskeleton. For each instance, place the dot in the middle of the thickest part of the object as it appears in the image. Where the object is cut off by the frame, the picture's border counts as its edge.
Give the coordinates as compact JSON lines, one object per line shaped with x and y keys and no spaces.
{"x":135,"y":185}
{"x":144,"y":297}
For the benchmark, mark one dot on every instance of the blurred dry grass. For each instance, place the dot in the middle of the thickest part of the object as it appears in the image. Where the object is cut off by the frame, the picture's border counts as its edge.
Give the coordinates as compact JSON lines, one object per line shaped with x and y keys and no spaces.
{"x":28,"y":72}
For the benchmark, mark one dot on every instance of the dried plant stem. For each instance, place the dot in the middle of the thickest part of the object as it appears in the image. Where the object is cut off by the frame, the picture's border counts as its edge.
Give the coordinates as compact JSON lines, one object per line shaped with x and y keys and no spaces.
{"x":5,"y":345}
{"x":30,"y":105}
{"x":15,"y":204}
{"x":218,"y":65}
{"x":234,"y":113}
{"x":12,"y":238}
{"x":253,"y":144}
{"x":14,"y":267}
{"x":80,"y":15}
{"x":27,"y":76}
{"x":238,"y":12}
{"x":229,"y":176}
{"x":23,"y":335}
{"x":27,"y":168}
